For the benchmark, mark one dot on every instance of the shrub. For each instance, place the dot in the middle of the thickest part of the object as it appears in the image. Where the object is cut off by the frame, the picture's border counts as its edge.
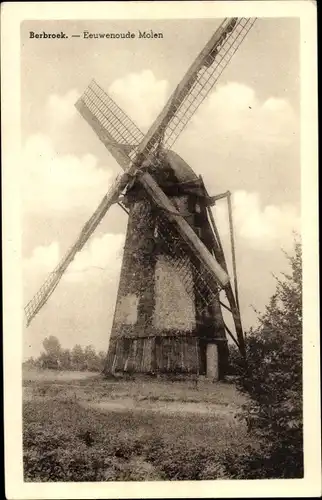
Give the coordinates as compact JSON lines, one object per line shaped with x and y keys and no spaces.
{"x":273,"y":383}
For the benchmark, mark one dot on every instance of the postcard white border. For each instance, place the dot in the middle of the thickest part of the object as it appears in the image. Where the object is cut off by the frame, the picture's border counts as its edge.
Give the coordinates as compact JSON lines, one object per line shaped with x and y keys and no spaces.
{"x":12,"y":15}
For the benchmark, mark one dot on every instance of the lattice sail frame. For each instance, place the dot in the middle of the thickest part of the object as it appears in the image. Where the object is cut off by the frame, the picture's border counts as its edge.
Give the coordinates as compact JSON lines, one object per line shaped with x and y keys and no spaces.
{"x":53,"y":279}
{"x":206,"y":78}
{"x":109,"y":120}
{"x":112,"y":120}
{"x":182,"y":104}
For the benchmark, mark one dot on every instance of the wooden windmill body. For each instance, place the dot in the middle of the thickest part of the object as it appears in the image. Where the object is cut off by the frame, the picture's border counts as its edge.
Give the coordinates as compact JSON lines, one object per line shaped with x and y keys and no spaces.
{"x":160,"y":326}
{"x":168,"y":316}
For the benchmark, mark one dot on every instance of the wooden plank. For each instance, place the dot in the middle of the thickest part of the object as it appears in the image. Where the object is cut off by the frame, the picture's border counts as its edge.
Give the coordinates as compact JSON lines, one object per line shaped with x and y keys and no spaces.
{"x":110,"y":357}
{"x":140,"y":356}
{"x":158,"y":353}
{"x":174,"y":354}
{"x":150,"y":347}
{"x":146,"y":355}
{"x":127,"y":345}
{"x":181,"y":354}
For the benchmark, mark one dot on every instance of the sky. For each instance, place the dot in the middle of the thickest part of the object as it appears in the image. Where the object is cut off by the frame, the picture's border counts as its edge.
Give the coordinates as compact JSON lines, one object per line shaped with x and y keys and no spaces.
{"x":244,"y":138}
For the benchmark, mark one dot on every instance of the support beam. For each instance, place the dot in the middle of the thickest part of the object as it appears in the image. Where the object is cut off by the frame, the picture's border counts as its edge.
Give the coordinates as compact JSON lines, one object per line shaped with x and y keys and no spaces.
{"x":123,"y":207}
{"x":227,"y":195}
{"x":228,"y":289}
{"x":224,"y":306}
{"x":211,"y":200}
{"x":232,"y":243}
{"x":231,"y":336}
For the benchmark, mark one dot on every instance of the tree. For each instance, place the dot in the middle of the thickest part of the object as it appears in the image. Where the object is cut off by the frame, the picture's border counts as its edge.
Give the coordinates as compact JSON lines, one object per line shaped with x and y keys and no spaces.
{"x":78,"y":360}
{"x":51,"y":357}
{"x":29,"y":363}
{"x":90,"y":358}
{"x":101,"y":360}
{"x":65,"y":359}
{"x":273,"y":383}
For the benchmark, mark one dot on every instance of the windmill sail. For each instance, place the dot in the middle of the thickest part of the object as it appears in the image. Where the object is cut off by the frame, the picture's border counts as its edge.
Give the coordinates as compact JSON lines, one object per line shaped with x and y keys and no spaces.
{"x":197,"y":83}
{"x":108,"y":120}
{"x":114,"y":127}
{"x":48,"y":287}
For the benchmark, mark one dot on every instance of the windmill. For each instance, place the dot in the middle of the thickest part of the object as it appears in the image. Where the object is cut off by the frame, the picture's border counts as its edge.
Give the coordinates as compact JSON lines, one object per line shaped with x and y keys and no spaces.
{"x":168,"y":316}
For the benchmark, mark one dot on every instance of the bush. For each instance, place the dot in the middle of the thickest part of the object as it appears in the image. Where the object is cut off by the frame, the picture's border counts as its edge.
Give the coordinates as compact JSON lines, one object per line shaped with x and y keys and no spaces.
{"x":64,"y":441}
{"x":273,"y":383}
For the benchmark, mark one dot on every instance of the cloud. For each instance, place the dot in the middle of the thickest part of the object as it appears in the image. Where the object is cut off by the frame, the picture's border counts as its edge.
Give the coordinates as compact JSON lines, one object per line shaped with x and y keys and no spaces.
{"x":259,"y":227}
{"x":44,"y":259}
{"x":81,"y":308}
{"x":102,"y":253}
{"x":140,"y":95}
{"x":261,"y":233}
{"x":56,"y":182}
{"x":61,"y":109}
{"x":238,"y":141}
{"x":93,"y":275}
{"x":235,"y":108}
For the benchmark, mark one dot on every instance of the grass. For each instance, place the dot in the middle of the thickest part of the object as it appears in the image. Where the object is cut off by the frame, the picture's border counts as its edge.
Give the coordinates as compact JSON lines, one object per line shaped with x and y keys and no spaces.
{"x":91,"y":385}
{"x":68,"y":436}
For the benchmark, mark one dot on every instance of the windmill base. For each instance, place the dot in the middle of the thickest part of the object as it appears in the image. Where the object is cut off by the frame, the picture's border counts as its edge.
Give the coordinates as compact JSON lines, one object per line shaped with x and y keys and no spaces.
{"x":168,"y":357}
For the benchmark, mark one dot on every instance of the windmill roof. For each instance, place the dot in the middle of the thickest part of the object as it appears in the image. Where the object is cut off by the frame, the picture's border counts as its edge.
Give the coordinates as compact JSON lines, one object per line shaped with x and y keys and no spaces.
{"x":182,"y":170}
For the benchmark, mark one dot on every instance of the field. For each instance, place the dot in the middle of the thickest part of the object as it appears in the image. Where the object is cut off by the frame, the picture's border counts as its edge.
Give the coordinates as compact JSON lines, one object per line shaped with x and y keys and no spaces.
{"x":82,"y":427}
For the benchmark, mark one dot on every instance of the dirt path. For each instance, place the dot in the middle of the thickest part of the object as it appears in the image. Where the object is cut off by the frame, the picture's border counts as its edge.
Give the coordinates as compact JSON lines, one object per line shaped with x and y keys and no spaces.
{"x":166,"y":407}
{"x":175,"y":398}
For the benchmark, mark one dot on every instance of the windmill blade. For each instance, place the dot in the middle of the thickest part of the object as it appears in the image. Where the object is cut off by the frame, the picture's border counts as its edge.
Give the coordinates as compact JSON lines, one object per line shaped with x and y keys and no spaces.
{"x":48,"y":287}
{"x":116,"y":130}
{"x":113,"y":127}
{"x":196,"y":84}
{"x":127,"y":133}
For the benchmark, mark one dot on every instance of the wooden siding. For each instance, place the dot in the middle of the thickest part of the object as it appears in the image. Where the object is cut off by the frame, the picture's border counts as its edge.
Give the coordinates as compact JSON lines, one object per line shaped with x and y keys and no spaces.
{"x":154,"y":355}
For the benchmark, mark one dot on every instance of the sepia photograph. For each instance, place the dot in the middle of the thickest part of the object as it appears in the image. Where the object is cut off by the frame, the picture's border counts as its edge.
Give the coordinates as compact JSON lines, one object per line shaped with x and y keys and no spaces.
{"x":161,"y":249}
